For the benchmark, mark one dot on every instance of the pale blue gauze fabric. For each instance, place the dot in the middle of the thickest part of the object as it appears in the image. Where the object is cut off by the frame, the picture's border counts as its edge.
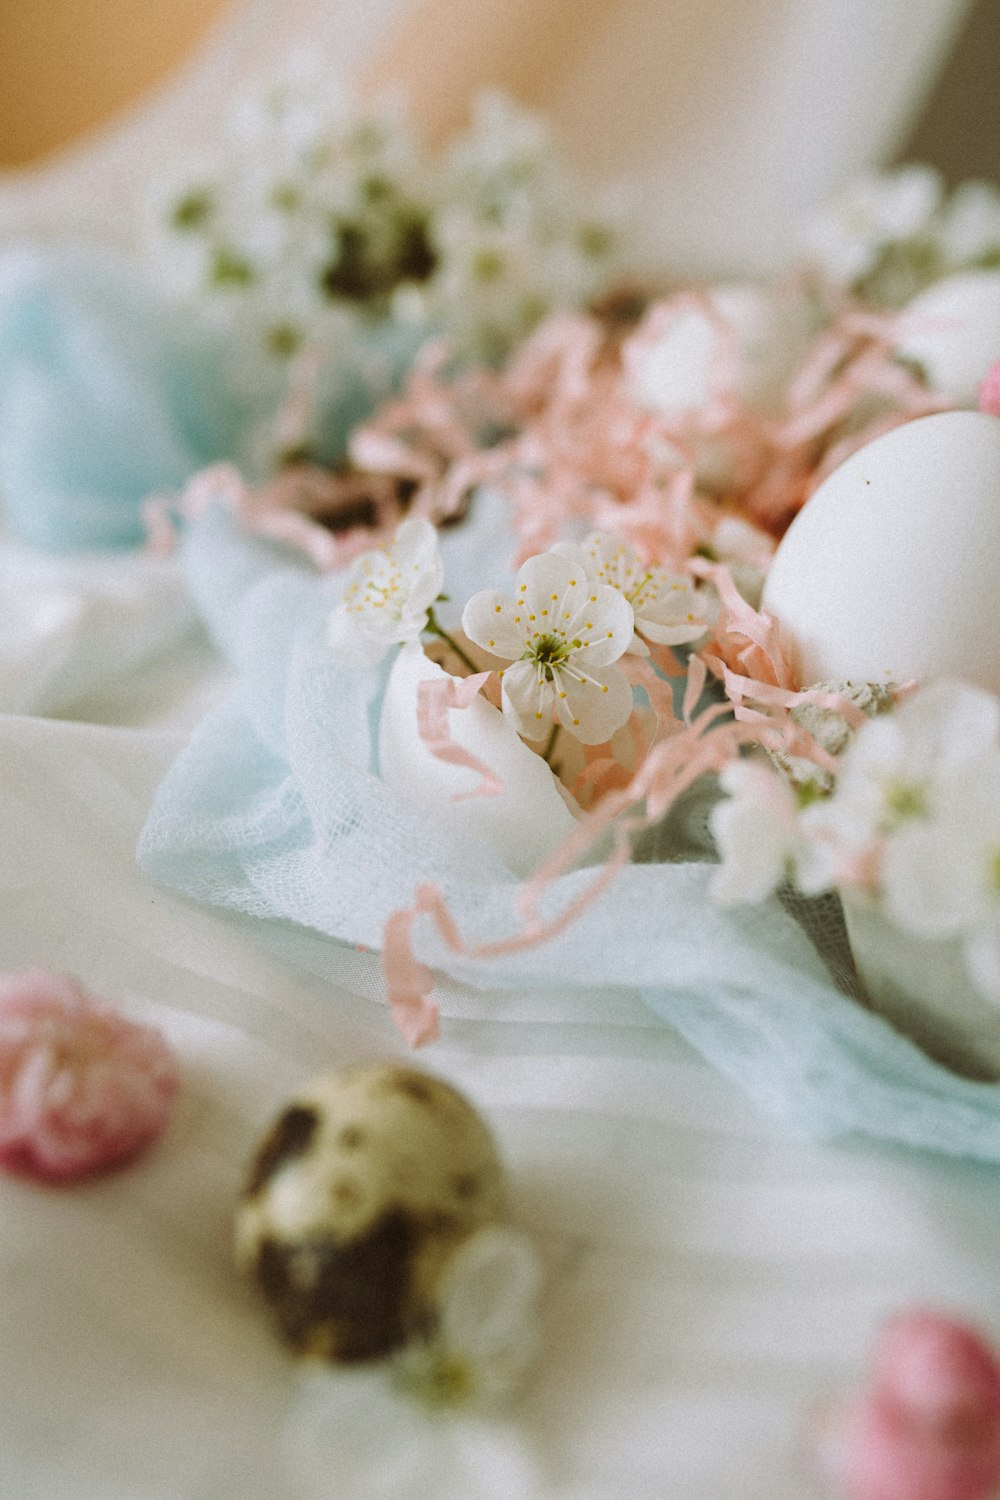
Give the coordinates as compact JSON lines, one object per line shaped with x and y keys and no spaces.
{"x":108,"y":396}
{"x":105,"y":400}
{"x":276,"y":811}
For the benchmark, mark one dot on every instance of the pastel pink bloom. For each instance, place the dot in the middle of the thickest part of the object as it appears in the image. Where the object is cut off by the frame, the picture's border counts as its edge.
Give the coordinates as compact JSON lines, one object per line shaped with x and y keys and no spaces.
{"x":82,"y":1089}
{"x":928,"y":1425}
{"x":989,"y":391}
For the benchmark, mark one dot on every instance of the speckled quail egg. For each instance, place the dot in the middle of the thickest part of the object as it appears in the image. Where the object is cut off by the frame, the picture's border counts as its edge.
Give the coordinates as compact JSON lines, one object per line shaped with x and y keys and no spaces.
{"x":830,"y":729}
{"x":356,"y":1198}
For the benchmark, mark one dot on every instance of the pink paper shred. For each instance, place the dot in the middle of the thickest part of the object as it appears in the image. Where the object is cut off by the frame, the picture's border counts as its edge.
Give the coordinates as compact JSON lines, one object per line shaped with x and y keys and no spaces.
{"x":82,"y":1089}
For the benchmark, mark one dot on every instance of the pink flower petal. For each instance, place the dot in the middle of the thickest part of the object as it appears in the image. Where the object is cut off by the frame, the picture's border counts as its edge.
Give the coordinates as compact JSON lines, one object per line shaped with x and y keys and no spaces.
{"x":82,"y":1089}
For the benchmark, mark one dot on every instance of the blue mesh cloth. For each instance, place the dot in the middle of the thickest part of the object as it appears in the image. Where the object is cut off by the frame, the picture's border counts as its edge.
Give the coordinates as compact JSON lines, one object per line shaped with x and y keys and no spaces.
{"x":276,"y":811}
{"x":108,"y":396}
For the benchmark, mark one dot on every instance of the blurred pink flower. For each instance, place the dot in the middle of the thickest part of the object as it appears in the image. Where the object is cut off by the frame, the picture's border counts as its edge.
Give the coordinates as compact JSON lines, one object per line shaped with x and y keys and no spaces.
{"x":927,"y":1425}
{"x":82,"y":1089}
{"x":989,"y":391}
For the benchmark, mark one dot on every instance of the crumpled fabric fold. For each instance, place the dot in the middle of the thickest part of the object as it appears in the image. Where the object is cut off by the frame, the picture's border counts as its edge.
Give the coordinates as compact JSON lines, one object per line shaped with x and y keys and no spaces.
{"x":70,"y":627}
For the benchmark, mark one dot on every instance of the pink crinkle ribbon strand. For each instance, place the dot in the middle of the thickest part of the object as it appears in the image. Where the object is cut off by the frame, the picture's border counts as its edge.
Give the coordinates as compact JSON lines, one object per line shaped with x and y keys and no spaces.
{"x":435,"y":700}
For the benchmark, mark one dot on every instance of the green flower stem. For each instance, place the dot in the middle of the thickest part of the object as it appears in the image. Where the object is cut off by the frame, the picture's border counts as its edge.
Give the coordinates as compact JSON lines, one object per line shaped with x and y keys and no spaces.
{"x":550,"y":746}
{"x":433,"y":628}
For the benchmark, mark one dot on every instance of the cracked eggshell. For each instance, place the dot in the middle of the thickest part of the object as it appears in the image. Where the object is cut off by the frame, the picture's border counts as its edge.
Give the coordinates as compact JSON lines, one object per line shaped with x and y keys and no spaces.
{"x":355,"y":1200}
{"x":955,"y":333}
{"x":890,"y":570}
{"x":524,"y":824}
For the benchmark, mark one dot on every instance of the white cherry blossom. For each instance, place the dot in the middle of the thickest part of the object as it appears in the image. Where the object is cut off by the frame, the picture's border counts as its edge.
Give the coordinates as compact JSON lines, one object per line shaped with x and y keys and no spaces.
{"x":941,"y":878}
{"x":667,"y":607}
{"x":354,"y":1433}
{"x":756,"y":830}
{"x":900,"y":767}
{"x":738,"y":339}
{"x":388,"y":594}
{"x":970,"y":232}
{"x":486,"y":1337}
{"x":424,"y":1422}
{"x":746,"y":551}
{"x":874,"y":211}
{"x":563,"y":635}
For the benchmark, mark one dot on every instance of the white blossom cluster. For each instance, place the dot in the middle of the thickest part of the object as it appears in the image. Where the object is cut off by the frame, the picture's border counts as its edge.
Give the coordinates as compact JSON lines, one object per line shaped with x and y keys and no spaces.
{"x":913,"y":821}
{"x":889,"y":235}
{"x":577,"y":610}
{"x":514,"y":237}
{"x":316,"y":220}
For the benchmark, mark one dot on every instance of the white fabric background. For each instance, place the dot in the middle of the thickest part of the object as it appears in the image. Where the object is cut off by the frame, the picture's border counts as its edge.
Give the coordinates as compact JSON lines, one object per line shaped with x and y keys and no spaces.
{"x":709,"y":1278}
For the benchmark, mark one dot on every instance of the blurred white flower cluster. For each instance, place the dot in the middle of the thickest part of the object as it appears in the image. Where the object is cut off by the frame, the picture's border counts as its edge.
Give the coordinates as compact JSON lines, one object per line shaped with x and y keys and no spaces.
{"x":429,"y":1420}
{"x":889,"y":235}
{"x":314,"y":216}
{"x":913,"y":822}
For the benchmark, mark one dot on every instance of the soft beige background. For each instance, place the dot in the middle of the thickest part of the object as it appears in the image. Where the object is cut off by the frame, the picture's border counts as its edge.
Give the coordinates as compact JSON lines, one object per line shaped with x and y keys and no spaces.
{"x":729,"y":120}
{"x":69,"y":65}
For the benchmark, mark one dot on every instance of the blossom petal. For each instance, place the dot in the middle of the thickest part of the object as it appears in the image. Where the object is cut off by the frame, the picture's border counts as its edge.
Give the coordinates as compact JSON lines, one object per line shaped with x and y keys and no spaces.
{"x":550,"y":573}
{"x":495,"y":623}
{"x":488,"y":1299}
{"x":927,"y":882}
{"x":957,"y":722}
{"x":755,"y":830}
{"x":527,"y":699}
{"x":982,"y":959}
{"x":604,"y":626}
{"x":675,"y":616}
{"x":555,"y":594}
{"x":592,"y":704}
{"x":418,"y":557}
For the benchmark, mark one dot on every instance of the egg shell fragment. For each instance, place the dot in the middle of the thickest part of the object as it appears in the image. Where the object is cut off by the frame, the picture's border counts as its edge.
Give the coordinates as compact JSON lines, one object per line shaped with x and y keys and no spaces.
{"x":524,"y":824}
{"x":891,"y":569}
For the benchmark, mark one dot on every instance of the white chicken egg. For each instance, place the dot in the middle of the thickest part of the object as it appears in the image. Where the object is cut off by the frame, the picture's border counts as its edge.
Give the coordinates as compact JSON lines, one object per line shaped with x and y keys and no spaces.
{"x":524,"y":824}
{"x":891,"y":570}
{"x":954,"y":333}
